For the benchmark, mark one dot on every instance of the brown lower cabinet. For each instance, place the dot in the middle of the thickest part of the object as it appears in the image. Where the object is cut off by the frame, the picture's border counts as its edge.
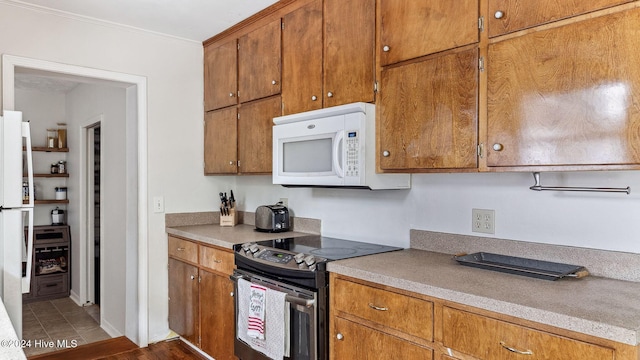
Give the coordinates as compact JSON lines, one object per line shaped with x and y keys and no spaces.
{"x":373,"y":321}
{"x":201,"y":307}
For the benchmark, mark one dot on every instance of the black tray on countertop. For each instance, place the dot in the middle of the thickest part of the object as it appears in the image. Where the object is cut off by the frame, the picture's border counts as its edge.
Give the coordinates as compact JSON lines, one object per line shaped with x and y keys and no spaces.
{"x":521,"y":266}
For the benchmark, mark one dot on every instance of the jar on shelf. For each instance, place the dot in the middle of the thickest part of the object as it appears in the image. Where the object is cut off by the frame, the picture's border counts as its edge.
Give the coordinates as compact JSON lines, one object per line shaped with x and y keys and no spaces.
{"x":62,"y":135}
{"x":62,"y":167}
{"x":54,"y":168}
{"x":52,"y":138}
{"x":61,"y":193}
{"x":25,"y":191}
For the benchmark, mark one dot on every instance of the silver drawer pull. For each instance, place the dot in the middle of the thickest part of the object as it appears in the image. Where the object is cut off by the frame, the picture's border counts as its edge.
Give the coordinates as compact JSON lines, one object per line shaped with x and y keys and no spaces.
{"x":180,"y":249}
{"x":514,"y":350}
{"x":217,"y":261}
{"x":378,"y":308}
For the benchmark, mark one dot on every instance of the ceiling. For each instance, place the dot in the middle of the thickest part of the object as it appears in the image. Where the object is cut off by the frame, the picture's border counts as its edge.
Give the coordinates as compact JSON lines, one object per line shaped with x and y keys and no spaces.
{"x":195,"y":20}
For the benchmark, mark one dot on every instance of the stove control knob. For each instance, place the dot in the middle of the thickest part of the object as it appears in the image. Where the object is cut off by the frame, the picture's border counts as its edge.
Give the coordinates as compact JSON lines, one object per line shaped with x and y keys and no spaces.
{"x":253,"y":248}
{"x":299,"y":258}
{"x":312,"y":267}
{"x":246,"y":246}
{"x":310,"y":260}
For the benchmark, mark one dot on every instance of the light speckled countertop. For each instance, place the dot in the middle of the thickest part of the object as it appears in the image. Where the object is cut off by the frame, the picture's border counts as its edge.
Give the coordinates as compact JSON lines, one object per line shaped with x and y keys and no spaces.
{"x":226,"y":237}
{"x":597,"y":306}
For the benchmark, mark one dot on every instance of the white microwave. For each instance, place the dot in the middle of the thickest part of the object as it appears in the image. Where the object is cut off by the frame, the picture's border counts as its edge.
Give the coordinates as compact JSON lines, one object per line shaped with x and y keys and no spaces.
{"x":332,"y":147}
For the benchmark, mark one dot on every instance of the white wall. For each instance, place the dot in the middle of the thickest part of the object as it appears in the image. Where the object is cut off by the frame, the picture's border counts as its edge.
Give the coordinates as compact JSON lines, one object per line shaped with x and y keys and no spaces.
{"x":84,"y":103}
{"x":174,"y":72}
{"x":443,"y":203}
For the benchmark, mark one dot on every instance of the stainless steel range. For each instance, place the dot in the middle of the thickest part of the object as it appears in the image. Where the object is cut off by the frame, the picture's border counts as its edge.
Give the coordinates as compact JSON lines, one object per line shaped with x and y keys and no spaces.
{"x":297,"y":266}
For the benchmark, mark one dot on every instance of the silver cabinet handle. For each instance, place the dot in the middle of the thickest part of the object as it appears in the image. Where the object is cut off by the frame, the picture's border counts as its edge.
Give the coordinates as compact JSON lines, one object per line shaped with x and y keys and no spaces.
{"x":273,"y":82}
{"x":386,"y":48}
{"x":329,"y":94}
{"x":230,"y":94}
{"x":498,"y":147}
{"x":192,"y":277}
{"x":340,"y":336}
{"x":498,"y":15}
{"x":386,"y":153}
{"x":314,"y":98}
{"x":217,"y":261}
{"x":231,"y":162}
{"x":378,"y":308}
{"x":514,"y":350}
{"x":180,"y":249}
{"x":231,"y":294}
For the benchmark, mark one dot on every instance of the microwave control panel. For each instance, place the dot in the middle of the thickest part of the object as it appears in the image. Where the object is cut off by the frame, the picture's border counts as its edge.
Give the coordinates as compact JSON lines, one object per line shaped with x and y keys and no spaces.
{"x":352,"y":166}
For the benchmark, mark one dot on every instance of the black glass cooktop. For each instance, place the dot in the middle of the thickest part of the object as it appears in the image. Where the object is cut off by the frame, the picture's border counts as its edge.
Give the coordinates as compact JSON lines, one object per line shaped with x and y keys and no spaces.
{"x":326,"y":247}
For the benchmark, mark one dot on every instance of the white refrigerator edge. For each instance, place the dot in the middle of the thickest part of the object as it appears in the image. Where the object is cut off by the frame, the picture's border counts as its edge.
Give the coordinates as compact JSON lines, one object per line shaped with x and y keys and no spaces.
{"x":14,"y":215}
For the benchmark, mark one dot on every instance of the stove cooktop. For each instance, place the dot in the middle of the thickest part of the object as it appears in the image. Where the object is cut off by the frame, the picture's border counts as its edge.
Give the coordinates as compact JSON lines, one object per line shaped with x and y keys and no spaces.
{"x":327,"y":247}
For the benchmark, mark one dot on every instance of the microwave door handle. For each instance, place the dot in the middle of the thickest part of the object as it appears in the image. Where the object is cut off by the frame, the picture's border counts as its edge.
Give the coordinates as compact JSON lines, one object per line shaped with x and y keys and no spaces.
{"x":336,"y":147}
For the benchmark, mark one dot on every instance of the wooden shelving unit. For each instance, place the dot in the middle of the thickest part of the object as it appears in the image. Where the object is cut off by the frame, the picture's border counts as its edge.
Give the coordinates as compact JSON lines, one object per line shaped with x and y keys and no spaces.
{"x":47,"y":149}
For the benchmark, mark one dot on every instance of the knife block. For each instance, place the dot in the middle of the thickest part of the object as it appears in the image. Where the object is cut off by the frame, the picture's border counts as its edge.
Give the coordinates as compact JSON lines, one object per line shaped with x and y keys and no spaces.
{"x":229,"y":220}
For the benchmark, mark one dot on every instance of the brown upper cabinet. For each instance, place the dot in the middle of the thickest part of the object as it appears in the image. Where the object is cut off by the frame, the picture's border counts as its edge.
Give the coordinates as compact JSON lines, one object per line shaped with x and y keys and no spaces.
{"x":220,"y":75}
{"x":302,"y":59}
{"x":338,"y":71}
{"x":428,"y":114}
{"x":507,"y":16}
{"x":410,"y":29}
{"x":566,"y":97}
{"x":349,"y":51}
{"x":259,"y":62}
{"x":220,"y":139}
{"x":255,"y":121}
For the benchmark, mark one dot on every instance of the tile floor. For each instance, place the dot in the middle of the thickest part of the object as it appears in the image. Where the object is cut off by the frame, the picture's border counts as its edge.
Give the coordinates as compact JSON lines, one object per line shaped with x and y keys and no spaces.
{"x":44,"y":322}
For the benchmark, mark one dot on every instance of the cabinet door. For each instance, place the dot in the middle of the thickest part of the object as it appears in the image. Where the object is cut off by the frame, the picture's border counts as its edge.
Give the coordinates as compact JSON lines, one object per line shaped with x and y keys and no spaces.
{"x":506,"y":16}
{"x":183,"y":300}
{"x":259,"y":62}
{"x":220,"y":134}
{"x":217,"y":313}
{"x":302,"y":59}
{"x":410,"y":29}
{"x":487,"y":338}
{"x":350,"y":340}
{"x":428,"y":113}
{"x":220,"y":75}
{"x":255,"y":135}
{"x":349,"y":62}
{"x":567,"y":95}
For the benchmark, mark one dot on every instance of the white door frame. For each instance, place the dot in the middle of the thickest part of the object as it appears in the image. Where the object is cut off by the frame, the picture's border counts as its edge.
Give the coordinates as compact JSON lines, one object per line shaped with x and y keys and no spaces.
{"x":87,"y":263}
{"x":9,"y":63}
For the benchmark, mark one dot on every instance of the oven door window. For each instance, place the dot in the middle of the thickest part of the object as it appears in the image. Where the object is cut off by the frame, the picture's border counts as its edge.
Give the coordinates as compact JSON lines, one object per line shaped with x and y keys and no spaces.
{"x":302,"y":333}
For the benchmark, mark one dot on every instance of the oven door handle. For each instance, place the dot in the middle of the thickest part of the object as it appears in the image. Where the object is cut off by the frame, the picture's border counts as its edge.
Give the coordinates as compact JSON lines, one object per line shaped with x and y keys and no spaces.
{"x":299,"y":301}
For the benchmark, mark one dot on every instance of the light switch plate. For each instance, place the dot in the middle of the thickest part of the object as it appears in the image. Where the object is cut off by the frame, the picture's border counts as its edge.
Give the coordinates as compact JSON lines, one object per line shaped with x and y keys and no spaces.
{"x":158,"y":204}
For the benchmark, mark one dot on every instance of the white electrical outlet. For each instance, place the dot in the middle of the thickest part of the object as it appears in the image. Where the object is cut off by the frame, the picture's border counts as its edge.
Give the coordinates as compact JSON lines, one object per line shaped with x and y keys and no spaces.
{"x":158,"y":204}
{"x":285,"y":201}
{"x":483,"y":220}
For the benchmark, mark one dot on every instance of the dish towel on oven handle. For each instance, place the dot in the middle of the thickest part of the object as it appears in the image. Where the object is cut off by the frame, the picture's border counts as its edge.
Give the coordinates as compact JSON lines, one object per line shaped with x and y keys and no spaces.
{"x":275,"y":344}
{"x":257,"y":303}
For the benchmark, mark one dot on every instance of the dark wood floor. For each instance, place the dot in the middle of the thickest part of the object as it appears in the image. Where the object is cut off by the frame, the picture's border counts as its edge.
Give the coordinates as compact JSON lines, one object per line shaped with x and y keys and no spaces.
{"x":122,"y":348}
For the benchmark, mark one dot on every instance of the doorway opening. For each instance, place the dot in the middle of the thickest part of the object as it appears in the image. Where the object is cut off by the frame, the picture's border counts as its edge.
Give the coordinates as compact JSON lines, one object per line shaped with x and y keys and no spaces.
{"x":93,"y":211}
{"x":132,"y":315}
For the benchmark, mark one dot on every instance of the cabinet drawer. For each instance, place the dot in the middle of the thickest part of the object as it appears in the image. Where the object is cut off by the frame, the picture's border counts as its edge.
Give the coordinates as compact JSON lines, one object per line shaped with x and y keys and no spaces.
{"x":182,"y":249}
{"x":400,"y":312}
{"x":51,"y":285}
{"x":216,"y":259}
{"x":507,"y":16}
{"x":488,"y":338}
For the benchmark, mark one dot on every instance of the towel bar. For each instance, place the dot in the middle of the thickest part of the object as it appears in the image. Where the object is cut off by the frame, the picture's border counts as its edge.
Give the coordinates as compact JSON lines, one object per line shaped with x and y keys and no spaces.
{"x":538,"y":187}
